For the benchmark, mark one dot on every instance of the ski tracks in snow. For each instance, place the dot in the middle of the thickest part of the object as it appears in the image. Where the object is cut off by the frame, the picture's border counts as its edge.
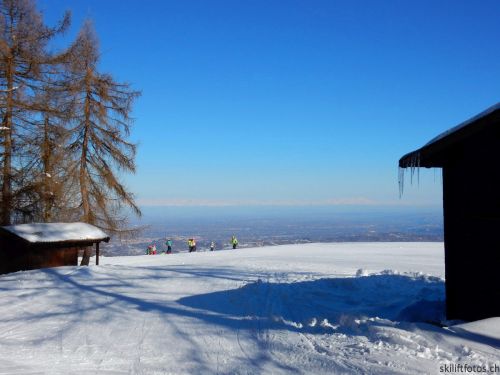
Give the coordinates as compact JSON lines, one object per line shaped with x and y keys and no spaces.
{"x":288,"y":310}
{"x":264,"y":311}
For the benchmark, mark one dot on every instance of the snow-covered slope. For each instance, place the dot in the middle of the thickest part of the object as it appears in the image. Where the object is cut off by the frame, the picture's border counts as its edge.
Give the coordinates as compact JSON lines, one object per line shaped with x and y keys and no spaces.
{"x":352,"y":308}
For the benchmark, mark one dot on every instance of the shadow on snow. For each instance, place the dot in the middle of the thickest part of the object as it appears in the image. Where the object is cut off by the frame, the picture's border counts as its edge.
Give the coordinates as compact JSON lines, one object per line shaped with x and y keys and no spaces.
{"x":350,"y":305}
{"x":331,"y":301}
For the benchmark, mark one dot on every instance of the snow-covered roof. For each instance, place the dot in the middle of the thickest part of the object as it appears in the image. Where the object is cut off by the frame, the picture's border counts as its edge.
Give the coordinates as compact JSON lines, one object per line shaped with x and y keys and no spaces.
{"x":464,"y":124}
{"x":57,"y":232}
{"x":426,"y":155}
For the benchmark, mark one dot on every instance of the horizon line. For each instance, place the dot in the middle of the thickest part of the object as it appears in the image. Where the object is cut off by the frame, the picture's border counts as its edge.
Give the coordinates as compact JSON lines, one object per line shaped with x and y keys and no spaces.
{"x":353,"y":202}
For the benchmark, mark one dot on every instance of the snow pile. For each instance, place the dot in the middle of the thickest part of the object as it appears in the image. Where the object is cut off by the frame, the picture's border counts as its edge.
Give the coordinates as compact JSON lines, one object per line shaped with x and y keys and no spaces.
{"x":316,"y":308}
{"x":57,"y":232}
{"x":385,"y":295}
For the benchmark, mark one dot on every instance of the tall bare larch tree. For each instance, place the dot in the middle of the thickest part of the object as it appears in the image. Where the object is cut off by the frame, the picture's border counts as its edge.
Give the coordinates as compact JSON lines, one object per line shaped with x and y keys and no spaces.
{"x":55,"y":187}
{"x":101,"y":126}
{"x":24,"y":62}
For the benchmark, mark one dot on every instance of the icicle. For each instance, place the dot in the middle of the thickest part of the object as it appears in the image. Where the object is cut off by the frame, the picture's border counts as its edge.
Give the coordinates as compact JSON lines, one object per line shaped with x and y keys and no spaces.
{"x":401,"y":181}
{"x":413,"y":164}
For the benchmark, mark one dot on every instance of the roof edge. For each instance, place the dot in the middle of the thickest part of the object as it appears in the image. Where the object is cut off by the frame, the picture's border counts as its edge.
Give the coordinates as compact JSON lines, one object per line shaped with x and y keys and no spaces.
{"x":410,"y":160}
{"x":479,"y":116}
{"x":423,"y":156}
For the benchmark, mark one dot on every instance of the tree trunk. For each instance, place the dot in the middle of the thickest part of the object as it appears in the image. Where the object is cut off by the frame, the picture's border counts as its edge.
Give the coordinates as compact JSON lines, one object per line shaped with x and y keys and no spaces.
{"x":47,"y":171}
{"x":6,"y":205}
{"x":87,"y":216}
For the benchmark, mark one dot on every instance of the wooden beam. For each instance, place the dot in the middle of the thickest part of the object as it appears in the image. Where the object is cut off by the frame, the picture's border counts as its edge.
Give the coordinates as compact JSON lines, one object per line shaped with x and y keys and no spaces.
{"x":97,"y":253}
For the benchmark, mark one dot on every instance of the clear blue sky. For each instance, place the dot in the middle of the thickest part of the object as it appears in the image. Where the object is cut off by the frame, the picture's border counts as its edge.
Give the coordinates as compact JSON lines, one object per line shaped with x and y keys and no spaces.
{"x":294,"y":102}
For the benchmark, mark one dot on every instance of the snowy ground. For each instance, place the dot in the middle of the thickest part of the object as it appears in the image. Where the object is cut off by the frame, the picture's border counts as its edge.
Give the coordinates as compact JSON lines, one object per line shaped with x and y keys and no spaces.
{"x":352,"y":308}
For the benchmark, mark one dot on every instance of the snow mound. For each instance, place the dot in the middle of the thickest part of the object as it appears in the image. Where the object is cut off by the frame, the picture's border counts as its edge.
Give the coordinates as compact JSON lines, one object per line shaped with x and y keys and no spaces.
{"x":386,"y":295}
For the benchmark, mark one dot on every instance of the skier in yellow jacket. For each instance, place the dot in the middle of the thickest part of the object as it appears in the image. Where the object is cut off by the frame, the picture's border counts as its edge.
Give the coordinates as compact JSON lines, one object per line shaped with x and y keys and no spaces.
{"x":234,"y":242}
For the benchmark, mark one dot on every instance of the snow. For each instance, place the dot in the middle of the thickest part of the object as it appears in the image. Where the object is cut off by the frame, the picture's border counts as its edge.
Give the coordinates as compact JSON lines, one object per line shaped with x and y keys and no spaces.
{"x":345,"y":308}
{"x":464,"y":124}
{"x":56,"y":232}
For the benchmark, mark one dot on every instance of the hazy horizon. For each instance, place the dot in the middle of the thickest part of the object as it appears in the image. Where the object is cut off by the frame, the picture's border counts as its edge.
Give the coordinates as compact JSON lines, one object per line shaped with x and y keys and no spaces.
{"x":159,"y":213}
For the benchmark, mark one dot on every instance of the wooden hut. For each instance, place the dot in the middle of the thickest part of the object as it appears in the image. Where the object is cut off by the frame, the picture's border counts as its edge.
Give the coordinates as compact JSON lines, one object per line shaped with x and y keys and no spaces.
{"x":469,"y":155}
{"x":41,"y":245}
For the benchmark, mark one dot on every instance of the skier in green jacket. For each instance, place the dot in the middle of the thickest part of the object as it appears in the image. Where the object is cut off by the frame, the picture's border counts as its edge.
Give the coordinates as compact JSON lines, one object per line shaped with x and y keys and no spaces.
{"x":192,"y":245}
{"x":234,"y":241}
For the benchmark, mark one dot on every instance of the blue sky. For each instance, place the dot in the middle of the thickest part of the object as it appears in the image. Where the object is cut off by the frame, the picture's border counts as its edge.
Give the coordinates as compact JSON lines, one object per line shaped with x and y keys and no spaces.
{"x":292,"y":102}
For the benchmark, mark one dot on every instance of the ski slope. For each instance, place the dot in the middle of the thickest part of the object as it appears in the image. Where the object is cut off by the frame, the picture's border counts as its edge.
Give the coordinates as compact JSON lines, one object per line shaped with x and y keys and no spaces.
{"x":346,"y":308}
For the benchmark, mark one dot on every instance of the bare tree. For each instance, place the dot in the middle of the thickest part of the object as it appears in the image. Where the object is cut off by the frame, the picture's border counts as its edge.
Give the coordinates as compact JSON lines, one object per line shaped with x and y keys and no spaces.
{"x":101,"y":127}
{"x":55,"y":185}
{"x":23,"y":64}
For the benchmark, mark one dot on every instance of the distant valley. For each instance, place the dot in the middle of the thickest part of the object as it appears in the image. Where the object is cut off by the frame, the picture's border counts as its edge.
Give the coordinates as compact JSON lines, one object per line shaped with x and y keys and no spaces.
{"x":255,"y":228}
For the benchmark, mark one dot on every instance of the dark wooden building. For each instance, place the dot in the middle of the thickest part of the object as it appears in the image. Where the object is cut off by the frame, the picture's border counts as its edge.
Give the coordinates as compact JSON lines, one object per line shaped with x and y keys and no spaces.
{"x":42,"y":245}
{"x":469,"y":155}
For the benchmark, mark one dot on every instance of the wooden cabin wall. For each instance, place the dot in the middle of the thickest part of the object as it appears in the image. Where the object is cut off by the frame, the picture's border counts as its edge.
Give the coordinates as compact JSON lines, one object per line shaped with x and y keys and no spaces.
{"x":44,"y":257}
{"x":471,"y":193}
{"x":16,"y":255}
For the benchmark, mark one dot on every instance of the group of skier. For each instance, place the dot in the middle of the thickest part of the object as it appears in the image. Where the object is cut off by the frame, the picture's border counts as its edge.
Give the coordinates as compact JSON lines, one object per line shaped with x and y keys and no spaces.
{"x":151,"y":250}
